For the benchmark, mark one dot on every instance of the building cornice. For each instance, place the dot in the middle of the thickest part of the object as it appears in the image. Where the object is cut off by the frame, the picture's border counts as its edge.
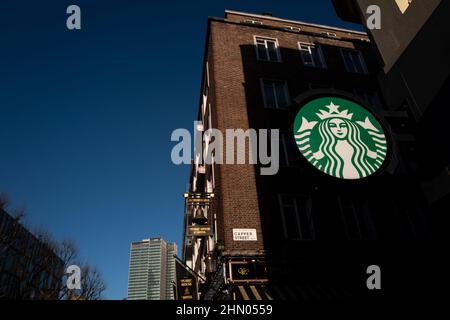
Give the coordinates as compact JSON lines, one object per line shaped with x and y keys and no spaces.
{"x":363,"y":38}
{"x":260,"y":16}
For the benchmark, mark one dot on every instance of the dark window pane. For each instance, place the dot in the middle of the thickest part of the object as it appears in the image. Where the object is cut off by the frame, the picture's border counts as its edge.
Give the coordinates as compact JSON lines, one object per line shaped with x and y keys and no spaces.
{"x":371,"y":98}
{"x":360,"y":62}
{"x":375,"y":101}
{"x":269,"y":96}
{"x":283,"y":150}
{"x":292,"y":150}
{"x":288,"y":201}
{"x":317,"y":57}
{"x":291,"y":222}
{"x":312,"y":55}
{"x":307,"y":58}
{"x":306,"y":223}
{"x":267,"y":50}
{"x":281,"y":95}
{"x":356,"y":62}
{"x":262,"y":52}
{"x":272,"y":50}
{"x":348,"y":62}
{"x":350,"y":219}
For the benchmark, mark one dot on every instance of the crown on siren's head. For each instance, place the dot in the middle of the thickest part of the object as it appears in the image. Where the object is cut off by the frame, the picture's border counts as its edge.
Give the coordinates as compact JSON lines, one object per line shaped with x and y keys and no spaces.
{"x":334,"y":113}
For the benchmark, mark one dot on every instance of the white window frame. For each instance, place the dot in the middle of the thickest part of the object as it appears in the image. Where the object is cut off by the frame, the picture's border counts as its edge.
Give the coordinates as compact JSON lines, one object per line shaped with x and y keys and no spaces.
{"x":255,"y":39}
{"x":207,"y":73}
{"x":206,"y":125}
{"x":205,"y":94}
{"x":319,"y":50}
{"x":286,"y":94}
{"x":361,"y":60}
{"x":209,"y":117}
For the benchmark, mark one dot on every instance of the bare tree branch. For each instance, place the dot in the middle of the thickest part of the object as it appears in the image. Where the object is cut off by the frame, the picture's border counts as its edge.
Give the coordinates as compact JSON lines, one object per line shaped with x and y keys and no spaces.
{"x":49,"y":257}
{"x":92,"y":284}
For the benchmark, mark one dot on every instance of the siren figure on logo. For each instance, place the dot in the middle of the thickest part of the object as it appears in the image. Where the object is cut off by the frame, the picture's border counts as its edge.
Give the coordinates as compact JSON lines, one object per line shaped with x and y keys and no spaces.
{"x":339,"y":145}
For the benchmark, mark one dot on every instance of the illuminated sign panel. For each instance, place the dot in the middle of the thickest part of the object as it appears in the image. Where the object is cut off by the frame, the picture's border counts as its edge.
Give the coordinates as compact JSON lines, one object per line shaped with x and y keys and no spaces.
{"x":186,"y":289}
{"x":186,"y":284}
{"x":245,"y":271}
{"x":340,"y":138}
{"x":199,"y":231}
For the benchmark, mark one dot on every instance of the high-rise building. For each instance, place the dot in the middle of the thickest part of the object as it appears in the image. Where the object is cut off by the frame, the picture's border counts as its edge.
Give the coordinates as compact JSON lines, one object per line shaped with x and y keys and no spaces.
{"x":152,"y":270}
{"x":171,"y":272}
{"x":291,"y":235}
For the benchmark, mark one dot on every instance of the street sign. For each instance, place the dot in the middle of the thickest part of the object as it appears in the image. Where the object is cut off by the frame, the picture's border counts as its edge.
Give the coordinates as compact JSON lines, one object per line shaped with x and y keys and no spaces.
{"x":244,"y":235}
{"x":199,"y":231}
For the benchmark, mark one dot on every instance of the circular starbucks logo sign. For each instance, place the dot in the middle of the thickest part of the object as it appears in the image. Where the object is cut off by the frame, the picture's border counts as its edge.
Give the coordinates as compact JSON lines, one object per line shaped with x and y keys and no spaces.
{"x":340,"y":138}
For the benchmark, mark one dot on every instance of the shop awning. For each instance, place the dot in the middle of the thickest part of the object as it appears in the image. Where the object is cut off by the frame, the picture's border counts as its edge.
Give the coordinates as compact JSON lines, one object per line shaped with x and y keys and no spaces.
{"x":287,"y":292}
{"x":251,"y":292}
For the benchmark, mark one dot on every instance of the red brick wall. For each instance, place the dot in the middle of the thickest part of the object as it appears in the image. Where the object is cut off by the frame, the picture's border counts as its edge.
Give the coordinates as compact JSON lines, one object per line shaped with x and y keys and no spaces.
{"x":237,"y":203}
{"x":235,"y":183}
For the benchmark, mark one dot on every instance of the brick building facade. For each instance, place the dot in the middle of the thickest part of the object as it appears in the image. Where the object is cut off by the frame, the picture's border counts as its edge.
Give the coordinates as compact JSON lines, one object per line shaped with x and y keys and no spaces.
{"x":255,"y":69}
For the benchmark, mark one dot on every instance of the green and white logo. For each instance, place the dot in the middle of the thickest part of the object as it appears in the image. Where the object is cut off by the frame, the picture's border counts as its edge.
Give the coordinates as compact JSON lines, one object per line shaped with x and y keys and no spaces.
{"x":340,"y":137}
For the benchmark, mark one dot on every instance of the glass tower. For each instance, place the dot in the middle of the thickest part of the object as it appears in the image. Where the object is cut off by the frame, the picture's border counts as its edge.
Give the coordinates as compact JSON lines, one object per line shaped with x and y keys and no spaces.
{"x":152,"y":270}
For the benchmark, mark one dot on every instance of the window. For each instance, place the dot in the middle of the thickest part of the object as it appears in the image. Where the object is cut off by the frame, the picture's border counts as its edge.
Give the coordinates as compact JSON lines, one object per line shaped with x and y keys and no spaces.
{"x":267,"y":49}
{"x":207,"y":73}
{"x":288,"y":149}
{"x":275,"y":94}
{"x":312,"y":55}
{"x":296,"y":217}
{"x":370,"y":97}
{"x":350,"y":218}
{"x":284,"y":157}
{"x":354,"y":61}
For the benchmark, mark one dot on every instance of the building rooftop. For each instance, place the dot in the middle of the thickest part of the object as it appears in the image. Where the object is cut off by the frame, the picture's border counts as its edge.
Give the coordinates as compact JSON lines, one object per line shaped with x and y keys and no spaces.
{"x":268,"y":16}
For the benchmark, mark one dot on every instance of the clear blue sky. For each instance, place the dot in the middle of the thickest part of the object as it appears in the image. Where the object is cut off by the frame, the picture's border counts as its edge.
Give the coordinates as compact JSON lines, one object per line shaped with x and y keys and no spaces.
{"x":86,"y":116}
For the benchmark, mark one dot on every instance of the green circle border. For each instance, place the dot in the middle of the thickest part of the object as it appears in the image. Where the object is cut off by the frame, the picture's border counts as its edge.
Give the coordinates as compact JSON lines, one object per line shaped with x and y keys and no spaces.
{"x":304,"y":100}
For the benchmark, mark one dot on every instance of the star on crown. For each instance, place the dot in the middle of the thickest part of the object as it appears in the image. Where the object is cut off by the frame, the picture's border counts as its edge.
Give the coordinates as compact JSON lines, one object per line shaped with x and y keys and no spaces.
{"x":334,"y":113}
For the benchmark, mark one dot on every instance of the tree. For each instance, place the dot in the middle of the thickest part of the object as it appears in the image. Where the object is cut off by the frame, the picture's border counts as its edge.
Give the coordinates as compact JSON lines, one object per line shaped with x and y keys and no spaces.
{"x":40,"y":262}
{"x":4,"y":201}
{"x":9,"y":230}
{"x":92,"y":283}
{"x":32,"y":268}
